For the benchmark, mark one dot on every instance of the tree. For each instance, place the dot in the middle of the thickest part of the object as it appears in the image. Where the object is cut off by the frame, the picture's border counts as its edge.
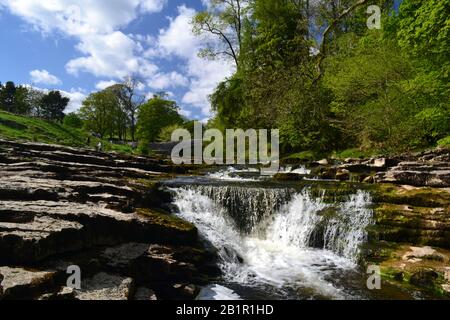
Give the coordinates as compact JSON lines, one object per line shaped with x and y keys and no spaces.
{"x":224,"y":20}
{"x":34,"y":101}
{"x":98,"y":113}
{"x":130,"y":100}
{"x":8,"y":96}
{"x":23,"y":104}
{"x":73,"y":120}
{"x":155,"y":115}
{"x":423,"y":31}
{"x":53,"y":106}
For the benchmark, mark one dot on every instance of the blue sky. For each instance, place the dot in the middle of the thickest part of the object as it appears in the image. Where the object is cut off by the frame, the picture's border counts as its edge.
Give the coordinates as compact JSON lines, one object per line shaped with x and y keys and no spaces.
{"x":81,"y":46}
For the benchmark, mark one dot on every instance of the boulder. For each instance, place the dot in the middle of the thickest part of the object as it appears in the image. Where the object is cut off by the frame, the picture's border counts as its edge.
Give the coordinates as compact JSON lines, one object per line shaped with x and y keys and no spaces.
{"x":20,"y":283}
{"x":343,"y":175}
{"x":424,"y":278}
{"x":106,"y":287}
{"x":145,"y":294}
{"x":418,"y":173}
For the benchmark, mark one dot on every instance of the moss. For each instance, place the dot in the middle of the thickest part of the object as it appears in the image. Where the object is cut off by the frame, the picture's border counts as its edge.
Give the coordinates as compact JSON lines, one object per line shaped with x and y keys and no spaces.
{"x":421,"y":197}
{"x":354,"y":153}
{"x":163,"y":219}
{"x":444,"y":142}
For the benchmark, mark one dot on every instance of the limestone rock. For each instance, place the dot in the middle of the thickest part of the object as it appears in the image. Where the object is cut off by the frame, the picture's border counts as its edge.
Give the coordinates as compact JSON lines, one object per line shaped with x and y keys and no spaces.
{"x":105,"y":286}
{"x":19,"y":283}
{"x":424,"y":278}
{"x":145,"y":294}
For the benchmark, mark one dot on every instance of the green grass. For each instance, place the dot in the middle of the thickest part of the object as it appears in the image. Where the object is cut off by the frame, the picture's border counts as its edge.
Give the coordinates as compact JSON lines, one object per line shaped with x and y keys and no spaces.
{"x":354,"y":153}
{"x":444,"y":142}
{"x":22,"y":128}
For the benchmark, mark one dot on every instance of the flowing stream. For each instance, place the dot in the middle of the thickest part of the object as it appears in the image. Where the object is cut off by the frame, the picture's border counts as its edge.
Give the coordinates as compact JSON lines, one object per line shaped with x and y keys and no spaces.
{"x":280,"y":243}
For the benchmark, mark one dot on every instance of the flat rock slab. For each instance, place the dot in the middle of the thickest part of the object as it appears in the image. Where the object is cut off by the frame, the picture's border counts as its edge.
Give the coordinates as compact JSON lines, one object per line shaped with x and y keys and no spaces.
{"x":104,"y":286}
{"x":19,"y":283}
{"x":145,"y":294}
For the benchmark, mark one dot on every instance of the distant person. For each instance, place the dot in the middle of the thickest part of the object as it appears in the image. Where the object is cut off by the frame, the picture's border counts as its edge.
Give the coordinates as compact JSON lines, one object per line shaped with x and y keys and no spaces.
{"x":99,"y":147}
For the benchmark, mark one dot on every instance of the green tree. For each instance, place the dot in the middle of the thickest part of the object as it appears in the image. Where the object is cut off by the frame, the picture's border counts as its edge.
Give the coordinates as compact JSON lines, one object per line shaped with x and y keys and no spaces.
{"x":129,"y":100}
{"x":73,"y":120}
{"x":156,"y":114}
{"x":8,"y":96}
{"x":224,"y":20}
{"x":53,"y":105}
{"x":423,"y":30}
{"x":97,"y":112}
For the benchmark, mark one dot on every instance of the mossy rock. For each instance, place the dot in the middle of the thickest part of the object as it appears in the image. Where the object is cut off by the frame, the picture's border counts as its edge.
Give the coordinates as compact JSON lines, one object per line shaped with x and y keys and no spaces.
{"x":168,"y":228}
{"x":288,"y":177}
{"x":421,"y":197}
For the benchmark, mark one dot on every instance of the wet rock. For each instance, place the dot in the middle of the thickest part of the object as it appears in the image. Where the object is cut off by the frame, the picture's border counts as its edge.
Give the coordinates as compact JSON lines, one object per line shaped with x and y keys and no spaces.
{"x":105,"y":286}
{"x":379,"y":163}
{"x":58,"y":227}
{"x":186,"y":291}
{"x":145,"y":294}
{"x":20,"y":283}
{"x":369,"y":179}
{"x":424,"y":278}
{"x":343,"y":175}
{"x":65,"y":293}
{"x":288,"y":177}
{"x":1,"y":287}
{"x":417,"y":173}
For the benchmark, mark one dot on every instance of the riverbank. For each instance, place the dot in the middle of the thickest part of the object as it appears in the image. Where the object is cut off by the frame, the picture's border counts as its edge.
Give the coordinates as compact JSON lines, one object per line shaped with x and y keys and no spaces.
{"x":105,"y":213}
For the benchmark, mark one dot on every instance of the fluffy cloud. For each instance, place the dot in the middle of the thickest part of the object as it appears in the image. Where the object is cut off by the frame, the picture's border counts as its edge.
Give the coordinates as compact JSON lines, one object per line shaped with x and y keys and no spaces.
{"x":44,"y":77}
{"x":110,"y":55}
{"x":204,"y":75}
{"x":106,"y":51}
{"x":162,"y":81}
{"x":76,"y":97}
{"x":105,"y":84}
{"x":79,"y":17}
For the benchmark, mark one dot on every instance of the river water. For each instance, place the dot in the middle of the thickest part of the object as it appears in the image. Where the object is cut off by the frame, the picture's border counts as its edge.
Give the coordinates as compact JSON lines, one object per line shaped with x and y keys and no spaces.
{"x":280,"y":242}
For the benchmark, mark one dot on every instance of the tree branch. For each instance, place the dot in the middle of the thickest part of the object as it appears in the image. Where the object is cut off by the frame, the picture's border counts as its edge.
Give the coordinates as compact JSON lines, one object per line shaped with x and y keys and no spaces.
{"x":328,"y":30}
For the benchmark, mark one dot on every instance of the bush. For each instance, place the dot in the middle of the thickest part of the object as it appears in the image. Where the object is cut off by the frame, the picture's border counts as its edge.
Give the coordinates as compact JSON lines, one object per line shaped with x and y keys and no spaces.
{"x":73,"y":120}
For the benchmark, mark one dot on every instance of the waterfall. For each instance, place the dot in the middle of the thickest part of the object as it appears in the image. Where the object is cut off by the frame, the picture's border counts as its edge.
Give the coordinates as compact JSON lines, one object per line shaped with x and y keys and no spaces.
{"x":279,"y":237}
{"x":246,"y":206}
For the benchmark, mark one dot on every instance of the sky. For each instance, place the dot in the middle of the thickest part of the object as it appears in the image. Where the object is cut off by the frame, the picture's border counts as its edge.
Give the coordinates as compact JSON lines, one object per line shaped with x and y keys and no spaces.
{"x":82,"y":46}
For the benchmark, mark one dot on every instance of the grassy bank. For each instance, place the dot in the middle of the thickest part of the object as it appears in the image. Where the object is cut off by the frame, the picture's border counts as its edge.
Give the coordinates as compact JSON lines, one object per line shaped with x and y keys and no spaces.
{"x":21,"y":128}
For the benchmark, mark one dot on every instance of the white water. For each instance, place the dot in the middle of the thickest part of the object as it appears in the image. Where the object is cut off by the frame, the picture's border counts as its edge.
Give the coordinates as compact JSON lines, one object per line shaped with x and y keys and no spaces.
{"x":232,"y":174}
{"x":280,"y":256}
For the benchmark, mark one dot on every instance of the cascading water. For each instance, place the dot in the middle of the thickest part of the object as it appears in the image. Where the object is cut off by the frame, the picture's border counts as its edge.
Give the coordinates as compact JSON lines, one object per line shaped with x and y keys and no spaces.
{"x":279,"y":240}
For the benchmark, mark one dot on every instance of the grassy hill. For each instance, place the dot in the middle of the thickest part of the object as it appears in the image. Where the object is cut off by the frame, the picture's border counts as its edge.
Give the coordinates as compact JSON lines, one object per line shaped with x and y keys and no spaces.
{"x":16,"y":127}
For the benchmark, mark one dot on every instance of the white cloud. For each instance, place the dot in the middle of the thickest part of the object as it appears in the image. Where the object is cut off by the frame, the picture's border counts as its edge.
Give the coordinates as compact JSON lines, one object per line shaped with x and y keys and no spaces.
{"x":76,"y":97}
{"x":79,"y":17}
{"x":110,"y":55}
{"x":102,"y":85}
{"x":44,"y":77}
{"x":204,"y":75}
{"x":162,"y":81}
{"x":106,"y":51}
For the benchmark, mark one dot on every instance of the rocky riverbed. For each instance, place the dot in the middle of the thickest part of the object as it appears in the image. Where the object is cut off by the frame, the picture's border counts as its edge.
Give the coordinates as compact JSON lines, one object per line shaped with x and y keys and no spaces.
{"x":62,"y":207}
{"x":410,"y":239}
{"x":108,"y":215}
